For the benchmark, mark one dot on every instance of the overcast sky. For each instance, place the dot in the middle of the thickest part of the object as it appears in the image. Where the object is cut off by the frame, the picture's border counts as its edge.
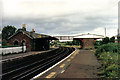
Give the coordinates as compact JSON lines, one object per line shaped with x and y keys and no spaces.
{"x":63,"y":17}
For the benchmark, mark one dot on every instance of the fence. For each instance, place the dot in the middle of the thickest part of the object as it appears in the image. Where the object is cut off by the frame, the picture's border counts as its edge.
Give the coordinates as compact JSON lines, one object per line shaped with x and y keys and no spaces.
{"x":12,"y":50}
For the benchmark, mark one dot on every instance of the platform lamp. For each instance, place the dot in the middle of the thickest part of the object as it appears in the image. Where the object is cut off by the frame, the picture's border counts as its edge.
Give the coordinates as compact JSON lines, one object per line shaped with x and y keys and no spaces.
{"x":23,"y":46}
{"x":118,"y":37}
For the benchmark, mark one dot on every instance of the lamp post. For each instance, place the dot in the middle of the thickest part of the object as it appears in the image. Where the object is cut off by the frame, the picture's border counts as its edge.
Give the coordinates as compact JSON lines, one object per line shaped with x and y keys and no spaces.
{"x":23,"y":47}
{"x":118,"y":37}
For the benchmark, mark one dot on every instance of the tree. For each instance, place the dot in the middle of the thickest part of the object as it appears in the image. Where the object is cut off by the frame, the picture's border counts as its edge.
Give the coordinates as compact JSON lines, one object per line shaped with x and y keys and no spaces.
{"x":105,"y":40}
{"x":7,"y":31}
{"x":76,"y":42}
{"x":112,"y":39}
{"x":98,"y":43}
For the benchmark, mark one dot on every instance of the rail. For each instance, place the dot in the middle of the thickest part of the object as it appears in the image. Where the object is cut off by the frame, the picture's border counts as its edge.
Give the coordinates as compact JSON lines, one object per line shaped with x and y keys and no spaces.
{"x":39,"y":65}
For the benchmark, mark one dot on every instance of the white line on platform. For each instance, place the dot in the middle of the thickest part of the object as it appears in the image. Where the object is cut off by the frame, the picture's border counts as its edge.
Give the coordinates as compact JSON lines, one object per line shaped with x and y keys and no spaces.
{"x":52,"y":67}
{"x":62,"y":71}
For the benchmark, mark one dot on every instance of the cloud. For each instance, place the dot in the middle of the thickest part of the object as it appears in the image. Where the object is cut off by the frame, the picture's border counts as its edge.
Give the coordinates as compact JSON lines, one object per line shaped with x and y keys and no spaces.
{"x":62,"y":16}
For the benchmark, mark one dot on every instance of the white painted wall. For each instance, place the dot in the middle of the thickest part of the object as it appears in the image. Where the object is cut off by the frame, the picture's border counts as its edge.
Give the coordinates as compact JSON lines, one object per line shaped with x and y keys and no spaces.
{"x":12,"y":50}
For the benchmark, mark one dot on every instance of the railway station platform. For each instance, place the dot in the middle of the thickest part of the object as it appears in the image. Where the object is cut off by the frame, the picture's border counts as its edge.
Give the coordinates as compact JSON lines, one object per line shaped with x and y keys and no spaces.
{"x":19,"y":55}
{"x":82,"y":64}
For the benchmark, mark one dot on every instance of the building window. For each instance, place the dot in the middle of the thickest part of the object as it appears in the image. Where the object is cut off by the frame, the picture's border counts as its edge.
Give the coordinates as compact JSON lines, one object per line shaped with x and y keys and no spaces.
{"x":15,"y":42}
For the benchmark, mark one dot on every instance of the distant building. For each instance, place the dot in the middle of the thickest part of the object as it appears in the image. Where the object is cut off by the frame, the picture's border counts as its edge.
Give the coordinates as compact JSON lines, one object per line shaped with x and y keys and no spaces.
{"x":32,"y":40}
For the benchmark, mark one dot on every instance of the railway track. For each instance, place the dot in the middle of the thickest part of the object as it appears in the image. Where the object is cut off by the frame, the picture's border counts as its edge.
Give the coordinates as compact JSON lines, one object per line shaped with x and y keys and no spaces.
{"x":35,"y":65}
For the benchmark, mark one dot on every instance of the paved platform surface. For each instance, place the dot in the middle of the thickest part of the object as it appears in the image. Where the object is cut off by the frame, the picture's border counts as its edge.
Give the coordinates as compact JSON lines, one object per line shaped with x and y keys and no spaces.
{"x":84,"y":65}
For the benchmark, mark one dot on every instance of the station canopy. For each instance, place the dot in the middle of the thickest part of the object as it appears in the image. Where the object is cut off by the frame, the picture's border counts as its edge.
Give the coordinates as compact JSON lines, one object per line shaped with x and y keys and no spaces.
{"x":95,"y":36}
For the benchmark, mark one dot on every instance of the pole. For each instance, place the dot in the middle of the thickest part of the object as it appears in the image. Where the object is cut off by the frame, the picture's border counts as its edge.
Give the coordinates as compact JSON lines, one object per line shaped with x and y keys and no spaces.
{"x":105,"y":32}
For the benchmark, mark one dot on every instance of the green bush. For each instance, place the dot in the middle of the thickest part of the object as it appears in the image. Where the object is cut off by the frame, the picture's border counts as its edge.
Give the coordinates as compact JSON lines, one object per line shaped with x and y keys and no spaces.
{"x":109,"y":64}
{"x":112,"y":39}
{"x":110,"y":47}
{"x":105,"y":40}
{"x":75,"y":42}
{"x":108,"y":56}
{"x":110,"y":72}
{"x":98,"y":43}
{"x":69,"y":43}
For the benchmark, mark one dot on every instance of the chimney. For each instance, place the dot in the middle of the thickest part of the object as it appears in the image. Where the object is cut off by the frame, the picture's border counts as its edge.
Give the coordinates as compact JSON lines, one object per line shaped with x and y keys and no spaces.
{"x":33,"y":30}
{"x":24,"y":27}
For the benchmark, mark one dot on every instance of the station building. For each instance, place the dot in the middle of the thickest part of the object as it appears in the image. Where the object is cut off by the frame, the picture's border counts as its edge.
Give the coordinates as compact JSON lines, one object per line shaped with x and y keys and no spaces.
{"x":33,"y":41}
{"x":88,"y":40}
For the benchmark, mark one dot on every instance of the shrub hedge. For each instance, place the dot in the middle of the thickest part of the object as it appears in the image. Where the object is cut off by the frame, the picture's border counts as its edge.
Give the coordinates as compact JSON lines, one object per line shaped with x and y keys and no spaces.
{"x":108,"y":56}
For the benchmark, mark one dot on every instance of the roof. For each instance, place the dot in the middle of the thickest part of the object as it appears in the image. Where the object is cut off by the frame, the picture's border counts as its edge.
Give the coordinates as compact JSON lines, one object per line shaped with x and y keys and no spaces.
{"x":33,"y":35}
{"x":63,"y":35}
{"x":89,"y":36}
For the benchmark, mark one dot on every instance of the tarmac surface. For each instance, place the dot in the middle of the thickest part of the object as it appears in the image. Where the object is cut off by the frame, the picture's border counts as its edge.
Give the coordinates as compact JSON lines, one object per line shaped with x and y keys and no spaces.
{"x":84,"y":65}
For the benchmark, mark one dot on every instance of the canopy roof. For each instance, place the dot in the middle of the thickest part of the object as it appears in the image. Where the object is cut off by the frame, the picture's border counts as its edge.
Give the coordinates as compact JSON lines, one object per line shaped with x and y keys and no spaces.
{"x":89,"y":36}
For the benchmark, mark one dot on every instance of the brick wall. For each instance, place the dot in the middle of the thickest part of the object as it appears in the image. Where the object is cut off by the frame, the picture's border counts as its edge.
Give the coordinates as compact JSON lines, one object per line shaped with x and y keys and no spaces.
{"x":20,"y":37}
{"x":88,"y":43}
